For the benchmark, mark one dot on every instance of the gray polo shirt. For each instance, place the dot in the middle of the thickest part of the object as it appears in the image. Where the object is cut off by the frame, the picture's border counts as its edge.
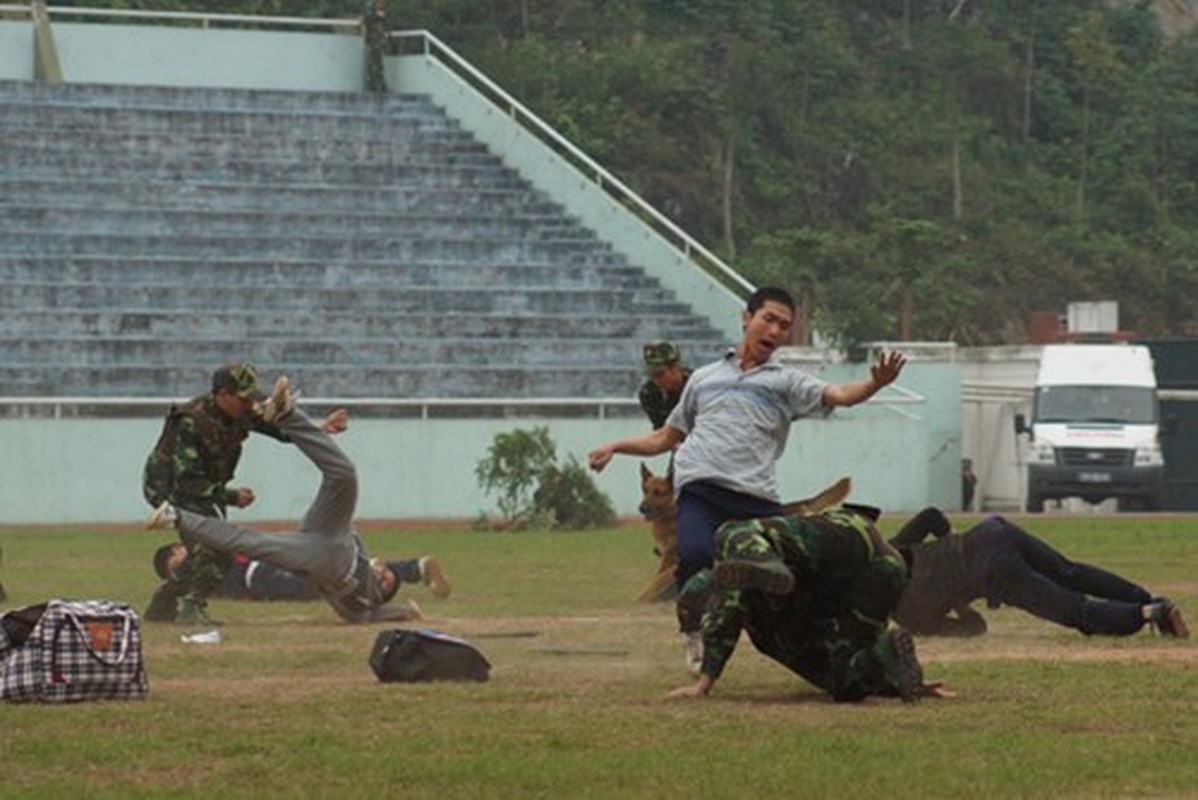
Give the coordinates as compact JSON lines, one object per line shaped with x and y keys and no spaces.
{"x":736,"y":423}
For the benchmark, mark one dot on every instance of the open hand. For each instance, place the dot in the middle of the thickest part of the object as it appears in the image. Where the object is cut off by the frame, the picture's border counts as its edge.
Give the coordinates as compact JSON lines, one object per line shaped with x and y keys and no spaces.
{"x":887,"y":368}
{"x":336,"y":422}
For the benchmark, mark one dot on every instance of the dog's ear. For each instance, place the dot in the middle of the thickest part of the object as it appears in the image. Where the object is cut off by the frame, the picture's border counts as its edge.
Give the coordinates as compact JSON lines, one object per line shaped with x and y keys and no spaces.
{"x":645,"y":473}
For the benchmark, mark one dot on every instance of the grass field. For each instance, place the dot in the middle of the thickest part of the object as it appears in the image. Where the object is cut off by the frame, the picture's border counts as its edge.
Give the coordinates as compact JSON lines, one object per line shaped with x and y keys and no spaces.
{"x":286,"y":704}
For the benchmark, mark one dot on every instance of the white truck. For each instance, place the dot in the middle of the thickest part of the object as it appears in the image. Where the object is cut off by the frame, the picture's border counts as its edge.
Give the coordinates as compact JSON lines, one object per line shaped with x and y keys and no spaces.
{"x":1095,"y":427}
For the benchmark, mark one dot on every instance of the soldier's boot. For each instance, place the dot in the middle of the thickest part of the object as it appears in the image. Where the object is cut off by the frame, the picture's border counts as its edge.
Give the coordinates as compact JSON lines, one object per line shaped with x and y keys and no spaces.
{"x":280,"y":402}
{"x":164,"y":516}
{"x":163,"y":605}
{"x":433,"y":576}
{"x":193,"y":610}
{"x":405,"y":610}
{"x":896,"y":650}
{"x":763,"y":575}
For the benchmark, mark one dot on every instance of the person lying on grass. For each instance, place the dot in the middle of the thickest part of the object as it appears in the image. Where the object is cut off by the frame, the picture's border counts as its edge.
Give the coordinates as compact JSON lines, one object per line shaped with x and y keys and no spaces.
{"x":1005,"y":564}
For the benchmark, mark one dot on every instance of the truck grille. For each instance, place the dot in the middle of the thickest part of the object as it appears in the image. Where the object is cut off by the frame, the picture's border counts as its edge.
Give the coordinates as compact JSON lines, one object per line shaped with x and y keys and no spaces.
{"x":1088,"y":457}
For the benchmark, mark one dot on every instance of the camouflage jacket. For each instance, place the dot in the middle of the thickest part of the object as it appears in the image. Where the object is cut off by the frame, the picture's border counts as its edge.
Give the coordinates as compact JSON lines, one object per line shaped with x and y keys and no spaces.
{"x":847,"y":581}
{"x":196,"y":456}
{"x":657,"y":404}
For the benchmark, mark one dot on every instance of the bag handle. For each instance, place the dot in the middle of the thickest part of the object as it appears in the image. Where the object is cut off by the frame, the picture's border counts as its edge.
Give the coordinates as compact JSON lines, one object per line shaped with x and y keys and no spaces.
{"x":87,"y":639}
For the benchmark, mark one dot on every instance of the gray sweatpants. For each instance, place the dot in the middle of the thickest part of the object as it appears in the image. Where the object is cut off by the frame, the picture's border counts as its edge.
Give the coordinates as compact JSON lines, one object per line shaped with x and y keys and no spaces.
{"x":325,"y":546}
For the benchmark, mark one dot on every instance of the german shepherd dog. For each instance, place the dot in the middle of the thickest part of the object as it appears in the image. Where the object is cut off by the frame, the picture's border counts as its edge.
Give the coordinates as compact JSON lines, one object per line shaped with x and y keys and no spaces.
{"x":657,"y":506}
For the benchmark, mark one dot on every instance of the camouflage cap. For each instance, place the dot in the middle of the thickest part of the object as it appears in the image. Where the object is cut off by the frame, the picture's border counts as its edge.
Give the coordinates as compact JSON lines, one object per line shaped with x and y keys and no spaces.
{"x":658,"y":354}
{"x":238,"y":379}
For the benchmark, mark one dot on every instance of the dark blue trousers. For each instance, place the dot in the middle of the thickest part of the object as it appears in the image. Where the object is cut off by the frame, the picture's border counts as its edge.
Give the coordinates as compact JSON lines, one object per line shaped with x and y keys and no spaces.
{"x":1029,"y":574}
{"x":702,"y":508}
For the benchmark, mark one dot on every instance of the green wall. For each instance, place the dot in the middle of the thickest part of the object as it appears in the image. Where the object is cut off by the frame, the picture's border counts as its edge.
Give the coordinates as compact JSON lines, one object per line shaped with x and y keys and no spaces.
{"x":177,"y":56}
{"x":901,"y":456}
{"x":16,"y":51}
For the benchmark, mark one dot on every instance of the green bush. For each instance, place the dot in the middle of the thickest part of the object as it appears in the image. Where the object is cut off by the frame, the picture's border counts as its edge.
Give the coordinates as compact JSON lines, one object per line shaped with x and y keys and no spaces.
{"x":534,"y":492}
{"x":572,"y":498}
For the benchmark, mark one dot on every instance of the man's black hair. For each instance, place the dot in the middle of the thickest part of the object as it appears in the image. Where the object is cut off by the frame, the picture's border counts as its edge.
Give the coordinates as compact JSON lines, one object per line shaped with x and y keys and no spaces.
{"x":764,"y":293}
{"x":162,"y":558}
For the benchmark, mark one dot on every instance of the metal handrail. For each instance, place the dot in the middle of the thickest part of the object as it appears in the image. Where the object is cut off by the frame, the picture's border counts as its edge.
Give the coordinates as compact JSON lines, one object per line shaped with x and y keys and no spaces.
{"x":325,"y":401}
{"x":204,"y":18}
{"x":604,"y":180}
{"x":426,"y":406}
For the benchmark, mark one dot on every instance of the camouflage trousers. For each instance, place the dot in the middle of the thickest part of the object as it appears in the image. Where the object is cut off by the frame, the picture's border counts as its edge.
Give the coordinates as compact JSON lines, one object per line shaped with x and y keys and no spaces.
{"x":193,"y":581}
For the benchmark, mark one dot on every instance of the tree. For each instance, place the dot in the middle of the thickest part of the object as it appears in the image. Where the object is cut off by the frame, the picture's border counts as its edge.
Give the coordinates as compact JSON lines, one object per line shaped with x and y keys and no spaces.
{"x":521,"y":466}
{"x":513,"y":467}
{"x":1096,"y":61}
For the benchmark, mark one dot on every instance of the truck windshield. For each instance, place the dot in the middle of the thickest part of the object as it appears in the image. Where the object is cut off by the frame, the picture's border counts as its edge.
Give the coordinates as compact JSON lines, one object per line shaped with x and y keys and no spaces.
{"x":1114,"y":404}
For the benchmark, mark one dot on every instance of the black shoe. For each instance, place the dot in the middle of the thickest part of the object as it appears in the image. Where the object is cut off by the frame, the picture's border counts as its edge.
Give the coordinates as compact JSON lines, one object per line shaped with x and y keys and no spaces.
{"x":163,"y":605}
{"x":1166,"y":617}
{"x":194,"y":611}
{"x":770,"y":576}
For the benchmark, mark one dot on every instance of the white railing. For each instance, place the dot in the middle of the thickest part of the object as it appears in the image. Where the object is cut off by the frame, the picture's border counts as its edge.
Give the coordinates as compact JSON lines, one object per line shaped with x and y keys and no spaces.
{"x":893,"y":397}
{"x":426,"y":408}
{"x":202,"y":18}
{"x":696,"y":253}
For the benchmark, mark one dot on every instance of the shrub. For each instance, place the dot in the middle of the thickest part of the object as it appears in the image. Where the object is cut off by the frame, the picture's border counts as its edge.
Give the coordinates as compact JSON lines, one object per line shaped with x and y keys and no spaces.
{"x":534,"y":492}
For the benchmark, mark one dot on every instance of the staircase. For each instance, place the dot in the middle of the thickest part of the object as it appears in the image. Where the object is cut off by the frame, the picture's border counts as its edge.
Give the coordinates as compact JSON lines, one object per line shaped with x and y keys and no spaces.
{"x":364,"y":244}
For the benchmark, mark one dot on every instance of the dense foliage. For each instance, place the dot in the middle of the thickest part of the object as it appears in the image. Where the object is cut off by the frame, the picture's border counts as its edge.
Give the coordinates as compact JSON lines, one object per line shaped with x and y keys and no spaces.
{"x":534,"y":492}
{"x":911,"y":170}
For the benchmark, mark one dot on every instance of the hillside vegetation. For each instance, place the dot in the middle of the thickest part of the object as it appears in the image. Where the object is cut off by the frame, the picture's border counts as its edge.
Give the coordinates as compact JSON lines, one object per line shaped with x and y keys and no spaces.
{"x":911,"y":170}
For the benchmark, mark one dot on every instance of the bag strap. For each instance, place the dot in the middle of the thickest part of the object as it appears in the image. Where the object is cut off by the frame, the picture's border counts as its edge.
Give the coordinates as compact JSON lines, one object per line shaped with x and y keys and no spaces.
{"x":87,"y":641}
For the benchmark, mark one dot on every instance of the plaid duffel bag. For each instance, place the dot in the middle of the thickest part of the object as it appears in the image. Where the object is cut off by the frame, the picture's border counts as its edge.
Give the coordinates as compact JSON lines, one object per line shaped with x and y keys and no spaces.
{"x":67,"y":650}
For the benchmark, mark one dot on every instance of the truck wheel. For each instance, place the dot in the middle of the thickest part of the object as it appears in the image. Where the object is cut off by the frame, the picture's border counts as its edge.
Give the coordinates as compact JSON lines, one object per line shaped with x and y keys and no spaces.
{"x":1035,"y":503}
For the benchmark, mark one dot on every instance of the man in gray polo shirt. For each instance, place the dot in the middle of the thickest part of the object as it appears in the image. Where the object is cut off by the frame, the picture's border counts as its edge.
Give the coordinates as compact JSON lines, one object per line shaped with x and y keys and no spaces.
{"x":730,"y":427}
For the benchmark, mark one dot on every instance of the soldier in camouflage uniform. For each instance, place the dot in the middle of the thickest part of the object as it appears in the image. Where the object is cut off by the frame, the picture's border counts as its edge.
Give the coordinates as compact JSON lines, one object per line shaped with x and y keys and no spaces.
{"x":666,"y":378}
{"x":814,"y":593}
{"x":191,"y":466}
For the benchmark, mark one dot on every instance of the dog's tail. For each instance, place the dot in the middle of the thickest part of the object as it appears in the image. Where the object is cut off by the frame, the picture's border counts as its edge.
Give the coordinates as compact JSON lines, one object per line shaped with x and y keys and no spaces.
{"x":832,"y":496}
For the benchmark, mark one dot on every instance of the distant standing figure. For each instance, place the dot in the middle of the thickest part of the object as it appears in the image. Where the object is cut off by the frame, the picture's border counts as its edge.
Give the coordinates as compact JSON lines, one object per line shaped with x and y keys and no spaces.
{"x":969,"y":482}
{"x":665,"y":378}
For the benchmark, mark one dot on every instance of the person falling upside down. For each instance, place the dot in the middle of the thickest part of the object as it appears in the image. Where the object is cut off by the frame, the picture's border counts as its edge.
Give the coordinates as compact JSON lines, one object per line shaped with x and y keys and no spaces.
{"x":326,"y":548}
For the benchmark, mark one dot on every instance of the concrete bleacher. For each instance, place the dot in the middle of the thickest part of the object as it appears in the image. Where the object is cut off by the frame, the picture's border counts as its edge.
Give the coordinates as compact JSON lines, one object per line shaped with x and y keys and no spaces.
{"x":365,"y":244}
